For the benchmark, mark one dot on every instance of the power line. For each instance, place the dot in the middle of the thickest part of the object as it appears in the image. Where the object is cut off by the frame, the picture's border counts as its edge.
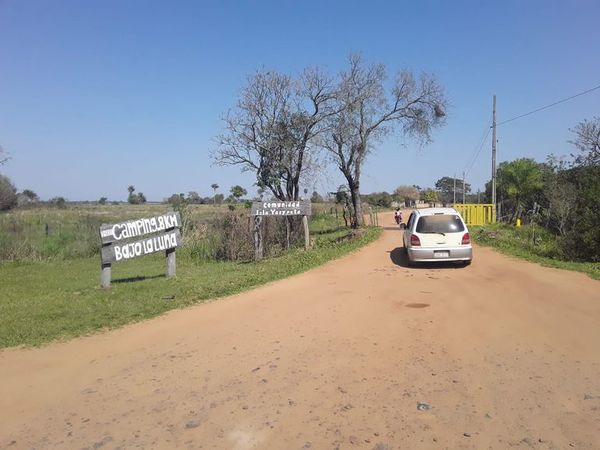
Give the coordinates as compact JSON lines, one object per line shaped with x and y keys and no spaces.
{"x":477,"y":150}
{"x":550,"y":105}
{"x":484,"y":140}
{"x":477,"y":146}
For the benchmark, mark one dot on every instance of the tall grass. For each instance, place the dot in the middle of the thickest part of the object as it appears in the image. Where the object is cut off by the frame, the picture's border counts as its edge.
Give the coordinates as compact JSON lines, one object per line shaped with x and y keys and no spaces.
{"x":210,"y":232}
{"x":532,"y":243}
{"x":47,"y":233}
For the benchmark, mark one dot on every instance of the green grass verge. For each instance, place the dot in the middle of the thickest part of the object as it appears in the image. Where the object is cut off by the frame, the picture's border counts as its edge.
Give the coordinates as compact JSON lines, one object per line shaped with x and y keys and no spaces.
{"x":46,"y":301}
{"x":532,"y":243}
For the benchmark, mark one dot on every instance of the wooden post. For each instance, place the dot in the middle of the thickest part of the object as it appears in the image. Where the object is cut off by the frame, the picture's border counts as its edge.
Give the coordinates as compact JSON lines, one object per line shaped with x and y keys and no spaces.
{"x":171,"y":262}
{"x":288,"y":231}
{"x":258,"y":241}
{"x":105,"y":270}
{"x":306,"y":233}
{"x":171,"y":257}
{"x":105,"y":276}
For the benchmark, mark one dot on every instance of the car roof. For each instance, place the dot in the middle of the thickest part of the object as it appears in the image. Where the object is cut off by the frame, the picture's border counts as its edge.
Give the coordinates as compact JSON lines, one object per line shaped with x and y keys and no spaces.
{"x":433,"y":211}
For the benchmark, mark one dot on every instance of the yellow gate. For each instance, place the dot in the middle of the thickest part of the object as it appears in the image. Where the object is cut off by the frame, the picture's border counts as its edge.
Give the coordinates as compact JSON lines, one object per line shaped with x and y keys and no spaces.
{"x":477,"y":214}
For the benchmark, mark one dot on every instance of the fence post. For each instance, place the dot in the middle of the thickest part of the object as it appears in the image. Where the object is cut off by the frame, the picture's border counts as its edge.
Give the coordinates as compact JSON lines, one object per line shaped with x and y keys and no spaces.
{"x":258,"y":241}
{"x":171,"y":262}
{"x":306,"y":233}
{"x":105,"y":270}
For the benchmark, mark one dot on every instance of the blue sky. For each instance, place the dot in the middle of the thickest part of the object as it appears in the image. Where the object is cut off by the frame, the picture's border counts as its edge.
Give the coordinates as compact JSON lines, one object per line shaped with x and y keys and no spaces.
{"x":98,"y":95}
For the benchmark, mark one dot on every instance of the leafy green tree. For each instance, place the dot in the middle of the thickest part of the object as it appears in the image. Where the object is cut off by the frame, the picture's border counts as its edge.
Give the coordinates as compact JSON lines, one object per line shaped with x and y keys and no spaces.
{"x":218,"y":199}
{"x":59,"y":202}
{"x":8,"y":193}
{"x":383,"y":199}
{"x":132,"y":198}
{"x":582,"y":240}
{"x":102,"y":200}
{"x":176,"y":200}
{"x":341,"y":195}
{"x":135,"y":199}
{"x":194,"y":197}
{"x":238,"y":192}
{"x":520,"y":181}
{"x":316,"y":197}
{"x":32,"y":196}
{"x":430,"y":196}
{"x":445,"y":187}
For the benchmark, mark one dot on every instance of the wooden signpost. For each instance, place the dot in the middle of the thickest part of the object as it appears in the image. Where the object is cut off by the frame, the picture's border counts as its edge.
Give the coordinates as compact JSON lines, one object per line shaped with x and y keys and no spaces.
{"x":279,"y":209}
{"x":121,"y":241}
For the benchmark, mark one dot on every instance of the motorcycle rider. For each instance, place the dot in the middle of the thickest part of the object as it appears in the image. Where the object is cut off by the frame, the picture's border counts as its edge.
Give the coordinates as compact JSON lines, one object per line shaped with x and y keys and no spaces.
{"x":398,"y":216}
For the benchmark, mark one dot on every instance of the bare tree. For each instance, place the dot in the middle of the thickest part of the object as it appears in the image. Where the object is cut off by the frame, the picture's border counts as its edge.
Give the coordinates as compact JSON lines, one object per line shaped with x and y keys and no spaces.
{"x":562,"y":198}
{"x":588,"y":141}
{"x":368,"y":113}
{"x":272,"y":129}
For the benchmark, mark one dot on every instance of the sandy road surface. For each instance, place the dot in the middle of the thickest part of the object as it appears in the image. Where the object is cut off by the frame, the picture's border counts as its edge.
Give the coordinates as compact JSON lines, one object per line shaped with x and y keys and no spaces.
{"x":505,"y":352}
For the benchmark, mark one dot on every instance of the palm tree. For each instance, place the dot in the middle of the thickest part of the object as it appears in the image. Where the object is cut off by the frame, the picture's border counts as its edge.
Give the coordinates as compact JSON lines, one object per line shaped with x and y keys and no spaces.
{"x":214,"y":187}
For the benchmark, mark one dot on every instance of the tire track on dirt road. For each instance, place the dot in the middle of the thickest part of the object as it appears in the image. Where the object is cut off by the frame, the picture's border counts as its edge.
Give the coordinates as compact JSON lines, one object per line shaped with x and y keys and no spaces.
{"x":501,"y":353}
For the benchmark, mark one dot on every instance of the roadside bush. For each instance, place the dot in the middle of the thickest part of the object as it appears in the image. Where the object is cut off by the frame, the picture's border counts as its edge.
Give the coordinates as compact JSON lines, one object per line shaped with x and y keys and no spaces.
{"x":230,"y":237}
{"x":8,"y":193}
{"x":582,"y":241}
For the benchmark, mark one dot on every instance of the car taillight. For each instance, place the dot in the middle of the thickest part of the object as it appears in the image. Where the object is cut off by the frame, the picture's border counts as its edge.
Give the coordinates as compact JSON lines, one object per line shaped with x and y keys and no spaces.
{"x":414,"y":240}
{"x":466,"y":239}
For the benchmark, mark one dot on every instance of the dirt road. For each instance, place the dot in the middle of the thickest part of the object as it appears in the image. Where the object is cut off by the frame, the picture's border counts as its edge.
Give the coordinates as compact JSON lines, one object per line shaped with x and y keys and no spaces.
{"x":363,"y":352}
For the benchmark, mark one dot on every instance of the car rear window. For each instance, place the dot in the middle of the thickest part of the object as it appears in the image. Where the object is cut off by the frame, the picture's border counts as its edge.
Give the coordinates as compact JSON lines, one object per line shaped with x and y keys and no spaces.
{"x":440,"y":223}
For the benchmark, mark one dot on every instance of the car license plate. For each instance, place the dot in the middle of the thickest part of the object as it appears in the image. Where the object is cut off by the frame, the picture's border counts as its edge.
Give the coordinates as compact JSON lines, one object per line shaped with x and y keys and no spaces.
{"x":441,"y":254}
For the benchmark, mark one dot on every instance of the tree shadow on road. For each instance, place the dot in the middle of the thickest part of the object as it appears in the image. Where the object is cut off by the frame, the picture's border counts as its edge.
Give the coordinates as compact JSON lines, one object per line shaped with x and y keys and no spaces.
{"x":400,"y":258}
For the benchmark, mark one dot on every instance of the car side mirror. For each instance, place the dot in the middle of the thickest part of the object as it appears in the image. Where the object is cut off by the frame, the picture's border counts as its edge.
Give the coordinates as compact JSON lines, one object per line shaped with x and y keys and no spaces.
{"x":403,"y":226}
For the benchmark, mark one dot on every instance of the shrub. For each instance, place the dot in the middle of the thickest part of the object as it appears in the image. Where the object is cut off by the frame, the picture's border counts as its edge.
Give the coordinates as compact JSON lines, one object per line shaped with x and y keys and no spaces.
{"x":59,"y":202}
{"x":582,"y":240}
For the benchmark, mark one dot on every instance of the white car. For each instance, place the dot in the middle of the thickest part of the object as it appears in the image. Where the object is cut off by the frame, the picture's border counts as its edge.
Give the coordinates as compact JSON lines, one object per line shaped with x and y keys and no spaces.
{"x":437,"y":234}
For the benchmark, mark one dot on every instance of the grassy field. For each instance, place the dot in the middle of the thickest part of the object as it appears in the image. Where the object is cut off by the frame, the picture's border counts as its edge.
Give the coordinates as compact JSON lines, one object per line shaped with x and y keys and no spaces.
{"x":51,"y":233}
{"x":41,"y":301}
{"x":42,"y":233}
{"x":532,"y":243}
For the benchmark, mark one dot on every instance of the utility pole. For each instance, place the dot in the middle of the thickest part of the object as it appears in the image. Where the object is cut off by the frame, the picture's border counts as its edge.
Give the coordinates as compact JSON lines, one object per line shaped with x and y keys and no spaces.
{"x":464,"y":187}
{"x":454,"y":199}
{"x":494,"y":154}
{"x":478,"y":197}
